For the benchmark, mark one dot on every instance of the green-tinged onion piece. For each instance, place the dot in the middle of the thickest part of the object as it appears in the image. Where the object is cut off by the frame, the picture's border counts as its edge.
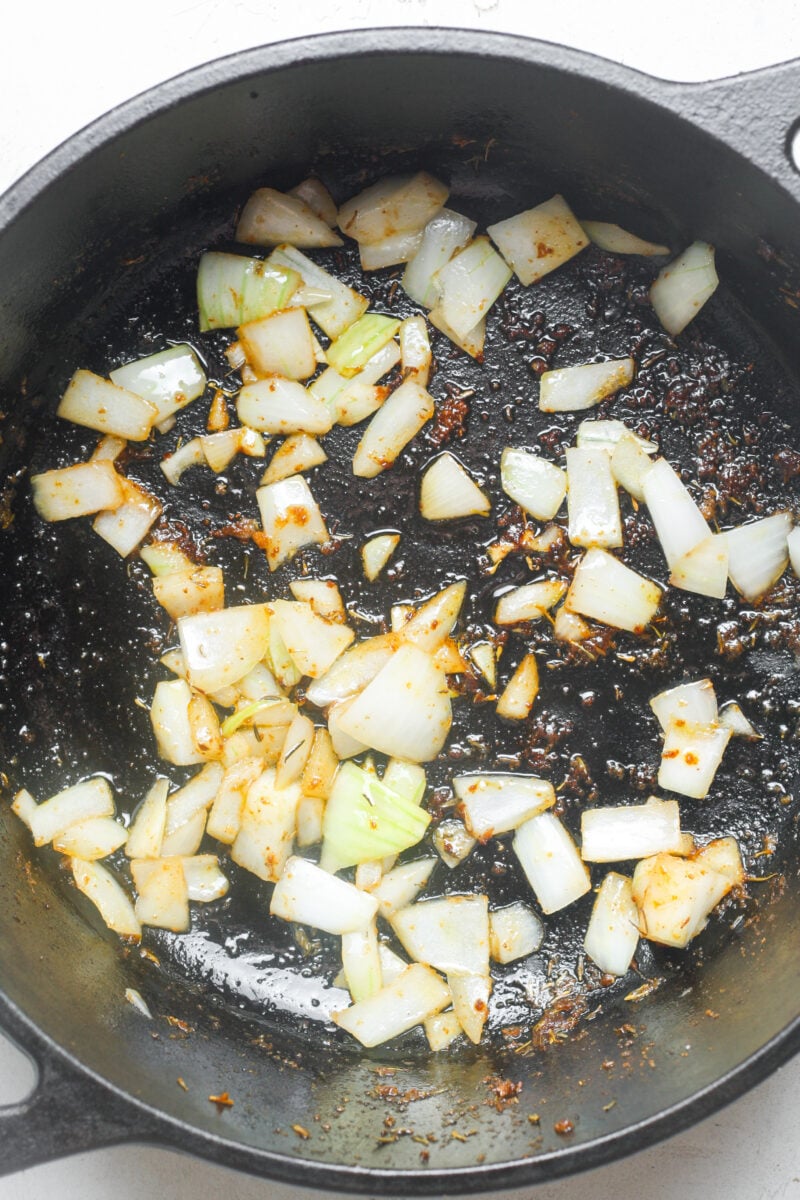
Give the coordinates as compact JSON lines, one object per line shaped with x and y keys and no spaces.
{"x":232,"y":723}
{"x":356,"y":346}
{"x":365,"y":820}
{"x":233,"y":289}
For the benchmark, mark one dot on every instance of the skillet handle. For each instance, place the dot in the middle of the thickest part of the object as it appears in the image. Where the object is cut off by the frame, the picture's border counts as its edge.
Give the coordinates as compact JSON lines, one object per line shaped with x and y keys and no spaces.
{"x":68,"y":1111}
{"x":757,"y":113}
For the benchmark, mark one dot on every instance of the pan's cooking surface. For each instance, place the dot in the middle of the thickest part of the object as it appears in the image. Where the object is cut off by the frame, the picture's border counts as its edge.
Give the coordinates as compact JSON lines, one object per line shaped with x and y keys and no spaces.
{"x":82,"y":633}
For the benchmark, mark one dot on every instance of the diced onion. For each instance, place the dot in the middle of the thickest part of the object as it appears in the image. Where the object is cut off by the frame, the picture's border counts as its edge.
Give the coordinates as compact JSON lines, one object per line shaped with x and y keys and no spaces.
{"x":295,"y":751}
{"x":281,"y":344}
{"x":444,"y":234}
{"x":572,"y":388}
{"x":514,"y":932}
{"x":360,"y":342}
{"x":551,"y":862}
{"x":793,"y":547}
{"x":604,"y":589}
{"x":77,"y":491}
{"x":361,"y":962}
{"x":314,"y":193}
{"x":731,"y":717}
{"x":266,"y":832}
{"x":310,"y":813}
{"x":496,"y":804}
{"x":758,"y":554}
{"x":99,"y":404}
{"x":679,"y":523}
{"x":376,"y":553}
{"x":703,"y":569}
{"x":618,"y":241}
{"x":95,"y":838}
{"x":469,"y":284}
{"x":415,"y":350}
{"x":471,"y":343}
{"x":723,"y":855}
{"x":592,"y":501}
{"x":194,"y":798}
{"x":529,"y":602}
{"x":147,"y":828}
{"x":198,"y":589}
{"x":351,"y":673}
{"x":190,"y":454}
{"x":470,"y":995}
{"x":452,"y":841}
{"x":607,"y":435}
{"x":392,"y":428}
{"x":693,"y":703}
{"x":82,"y":802}
{"x":396,"y":248}
{"x":344,"y":306}
{"x":675,"y":896}
{"x":690,"y":758}
{"x":684,"y":286}
{"x":323,"y":595}
{"x":99,"y":885}
{"x":520,"y":692}
{"x":441,"y":1030}
{"x":535,"y":484}
{"x":433,"y":622}
{"x":221,"y":647}
{"x":397,"y":204}
{"x":484,"y":656}
{"x":163,"y":898}
{"x":311,"y":896}
{"x":281,"y":406}
{"x":629,"y":465}
{"x":233,"y":290}
{"x":537,"y":241}
{"x":225,"y":817}
{"x":447,"y":492}
{"x":613,"y":933}
{"x":291,"y":519}
{"x":313,"y":642}
{"x":297,"y":453}
{"x":400,"y":886}
{"x":630,"y":831}
{"x":415,"y":995}
{"x":270,"y":217}
{"x":204,"y":879}
{"x":170,"y":379}
{"x":127,"y":525}
{"x":450,"y":934}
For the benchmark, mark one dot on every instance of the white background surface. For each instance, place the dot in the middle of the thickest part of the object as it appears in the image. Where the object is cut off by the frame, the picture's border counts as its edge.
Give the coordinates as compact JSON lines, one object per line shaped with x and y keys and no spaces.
{"x":64,"y":65}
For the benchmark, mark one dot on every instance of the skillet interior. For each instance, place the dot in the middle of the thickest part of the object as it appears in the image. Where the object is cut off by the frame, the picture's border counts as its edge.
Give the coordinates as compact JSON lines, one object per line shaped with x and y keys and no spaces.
{"x":154,"y":199}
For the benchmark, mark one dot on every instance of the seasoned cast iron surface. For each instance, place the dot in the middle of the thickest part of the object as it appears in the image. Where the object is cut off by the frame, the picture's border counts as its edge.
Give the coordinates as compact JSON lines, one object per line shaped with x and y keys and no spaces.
{"x":81,"y":632}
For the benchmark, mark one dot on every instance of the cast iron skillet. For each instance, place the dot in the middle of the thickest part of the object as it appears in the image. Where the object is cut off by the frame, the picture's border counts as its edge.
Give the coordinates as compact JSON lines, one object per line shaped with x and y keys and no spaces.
{"x":111,"y":223}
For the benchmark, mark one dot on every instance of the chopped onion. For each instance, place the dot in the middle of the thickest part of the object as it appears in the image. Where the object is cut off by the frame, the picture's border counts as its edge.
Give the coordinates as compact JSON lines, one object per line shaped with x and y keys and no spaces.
{"x":723,"y":856}
{"x":408,"y":779}
{"x":127,"y":525}
{"x":604,"y":589}
{"x":606,"y":435}
{"x":82,"y":802}
{"x":514,"y":932}
{"x":147,"y":829}
{"x":569,"y":627}
{"x":77,"y":491}
{"x":469,"y":284}
{"x":313,"y":642}
{"x":679,"y":523}
{"x":24,"y":806}
{"x":314,"y":193}
{"x":397,"y":204}
{"x":684,"y":286}
{"x":415,"y":349}
{"x":170,"y":379}
{"x":392,"y":965}
{"x":448,"y":492}
{"x":376,"y":553}
{"x":630,"y":831}
{"x":99,"y":404}
{"x":758,"y":554}
{"x":360,"y":342}
{"x":496,"y":804}
{"x":282,"y":406}
{"x":731,"y":717}
{"x":219,"y":648}
{"x":399,"y":887}
{"x":484,"y":656}
{"x":453,"y":843}
{"x":551,"y":862}
{"x":365,"y":820}
{"x":396,"y":248}
{"x":433,"y":622}
{"x":450,"y":934}
{"x":295,"y":752}
{"x":163,"y":897}
{"x":198,"y":589}
{"x":675,"y":896}
{"x":351,"y":673}
{"x":517,"y":699}
{"x":692,"y":703}
{"x":793,"y":547}
{"x":323,"y":595}
{"x":137,"y":1000}
{"x":233,"y":290}
{"x":613,"y":933}
{"x":225,"y":817}
{"x":190,"y":454}
{"x":108,"y":449}
{"x":270,"y":217}
{"x":704,"y":568}
{"x":441,"y":1030}
{"x":361,"y":962}
{"x":592,"y":501}
{"x":529,"y":602}
{"x":415,"y":995}
{"x":298,"y":453}
{"x":291,"y":519}
{"x":690,"y":758}
{"x":358,"y":401}
{"x":165,"y":558}
{"x":344,"y":306}
{"x":192,"y":800}
{"x":204,"y":879}
{"x":281,"y":344}
{"x":537,"y":241}
{"x":618,"y":241}
{"x":392,"y":427}
{"x":266,"y":832}
{"x":310,"y":813}
{"x":311,"y":896}
{"x":443,"y":235}
{"x":470,"y":995}
{"x":91,"y":839}
{"x":106,"y":894}
{"x":472,"y":343}
{"x":629,"y":465}
{"x":571,"y":388}
{"x":535,"y":484}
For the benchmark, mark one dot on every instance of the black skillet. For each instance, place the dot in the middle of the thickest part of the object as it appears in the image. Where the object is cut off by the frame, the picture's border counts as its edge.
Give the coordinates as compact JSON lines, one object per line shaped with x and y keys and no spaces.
{"x":111,"y":225}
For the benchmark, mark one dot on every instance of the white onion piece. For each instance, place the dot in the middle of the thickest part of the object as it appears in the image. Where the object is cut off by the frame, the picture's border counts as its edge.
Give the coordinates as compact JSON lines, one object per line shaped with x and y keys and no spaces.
{"x":107,"y":895}
{"x":314,"y":193}
{"x":295,"y":752}
{"x":225,"y":817}
{"x":258,"y":683}
{"x":629,"y":465}
{"x":444,"y":234}
{"x":95,"y":838}
{"x":190,"y":454}
{"x":484,"y":656}
{"x":392,"y":428}
{"x":399,"y":887}
{"x":194,"y":798}
{"x":170,"y":379}
{"x":675,"y":896}
{"x":233,"y":289}
{"x":537,"y":241}
{"x":345,"y":306}
{"x":397,"y":204}
{"x":268,"y":821}
{"x":704,"y":569}
{"x":108,"y":449}
{"x":376,"y":553}
{"x":98,"y":404}
{"x":630,"y":831}
{"x":415,"y":349}
{"x":77,"y":491}
{"x":396,"y":248}
{"x":357,"y":402}
{"x":368,"y":875}
{"x":618,"y":241}
{"x":164,"y":558}
{"x":311,"y":896}
{"x":731,"y":717}
{"x":469,"y":284}
{"x":313,"y":642}
{"x":361,"y":962}
{"x":392,"y":965}
{"x":452,"y":842}
{"x":270,"y":217}
{"x":204,"y":879}
{"x":198,"y":589}
{"x":352,"y":400}
{"x":448,"y":492}
{"x":690,"y":758}
{"x":471,"y":343}
{"x":127,"y":525}
{"x":551,"y":862}
{"x":606,"y":435}
{"x":81,"y":802}
{"x":323,"y":595}
{"x":514,"y":932}
{"x":281,"y":344}
{"x":605,"y":590}
{"x":450,"y":934}
{"x":290,"y":517}
{"x":220,"y":647}
{"x":520,"y":692}
{"x":569,"y":627}
{"x":470,"y":995}
{"x":679,"y":523}
{"x":441,"y":1030}
{"x":723,"y":856}
{"x":569,"y":389}
{"x":405,"y":711}
{"x":344,"y":745}
{"x":433,"y":622}
{"x":592,"y":501}
{"x":310,"y":814}
{"x":758,"y":554}
{"x":281,"y":406}
{"x":535,"y":484}
{"x":496,"y":804}
{"x":137,"y":1000}
{"x":693,"y":703}
{"x":684,"y":286}
{"x":298,"y":453}
{"x":415,"y":995}
{"x":613,"y":932}
{"x":163,"y":897}
{"x":352,"y":672}
{"x":149,"y":823}
{"x":793,"y":547}
{"x":529,"y":602}
{"x":24,"y":806}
